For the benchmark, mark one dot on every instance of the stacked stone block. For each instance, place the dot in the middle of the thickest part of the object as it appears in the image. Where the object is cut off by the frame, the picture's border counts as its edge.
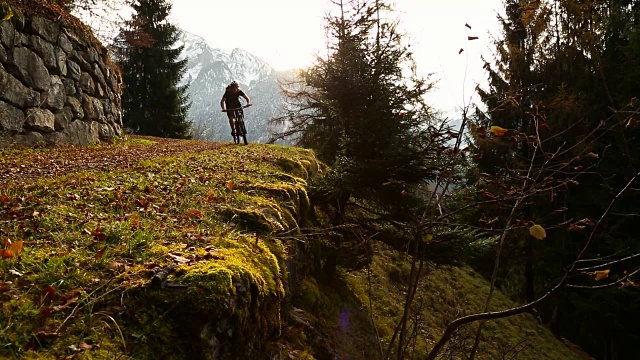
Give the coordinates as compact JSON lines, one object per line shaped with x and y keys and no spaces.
{"x":56,"y":87}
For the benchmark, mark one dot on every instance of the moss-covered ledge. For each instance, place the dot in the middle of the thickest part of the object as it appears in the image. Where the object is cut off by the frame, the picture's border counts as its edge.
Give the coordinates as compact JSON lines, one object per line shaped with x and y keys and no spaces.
{"x":173,"y":258}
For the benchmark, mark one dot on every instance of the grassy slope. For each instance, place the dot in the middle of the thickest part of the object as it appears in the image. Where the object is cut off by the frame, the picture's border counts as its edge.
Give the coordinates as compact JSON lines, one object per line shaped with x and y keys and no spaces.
{"x":92,"y":239}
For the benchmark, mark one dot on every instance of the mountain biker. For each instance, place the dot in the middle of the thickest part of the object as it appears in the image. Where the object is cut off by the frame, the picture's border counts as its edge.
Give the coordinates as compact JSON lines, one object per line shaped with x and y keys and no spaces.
{"x":231,"y":100}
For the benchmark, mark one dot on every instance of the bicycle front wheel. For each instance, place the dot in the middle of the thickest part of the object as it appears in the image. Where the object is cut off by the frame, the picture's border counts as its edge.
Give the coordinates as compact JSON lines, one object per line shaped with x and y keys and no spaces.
{"x":242,"y":130}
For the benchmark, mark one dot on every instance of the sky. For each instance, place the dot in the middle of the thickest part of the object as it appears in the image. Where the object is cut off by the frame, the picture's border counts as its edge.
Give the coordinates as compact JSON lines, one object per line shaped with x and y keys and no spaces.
{"x":288,"y":33}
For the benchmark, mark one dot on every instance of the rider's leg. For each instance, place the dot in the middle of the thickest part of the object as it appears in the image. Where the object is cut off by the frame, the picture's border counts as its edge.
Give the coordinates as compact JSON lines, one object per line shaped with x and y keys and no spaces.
{"x":231,"y":124}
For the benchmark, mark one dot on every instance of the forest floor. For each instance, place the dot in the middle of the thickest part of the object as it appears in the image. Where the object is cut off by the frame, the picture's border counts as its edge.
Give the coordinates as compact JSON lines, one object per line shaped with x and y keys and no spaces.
{"x":20,"y":165}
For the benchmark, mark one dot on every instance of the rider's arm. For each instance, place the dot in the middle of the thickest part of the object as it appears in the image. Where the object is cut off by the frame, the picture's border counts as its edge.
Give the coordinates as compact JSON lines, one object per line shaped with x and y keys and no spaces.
{"x":223,"y":103}
{"x":246,"y":98}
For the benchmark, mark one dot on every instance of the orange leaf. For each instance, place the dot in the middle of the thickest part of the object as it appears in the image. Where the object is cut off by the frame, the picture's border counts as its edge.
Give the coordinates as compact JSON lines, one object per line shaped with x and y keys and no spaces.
{"x":100,"y":253}
{"x":17,"y":247}
{"x":498,"y":131}
{"x":98,"y":234}
{"x":4,"y":198}
{"x":194,"y":212}
{"x":230,"y":185}
{"x":602,"y":274}
{"x":7,"y":254}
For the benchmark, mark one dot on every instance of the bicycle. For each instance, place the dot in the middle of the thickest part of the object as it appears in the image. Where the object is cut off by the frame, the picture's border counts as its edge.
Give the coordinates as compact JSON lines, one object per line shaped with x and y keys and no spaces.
{"x":239,"y":128}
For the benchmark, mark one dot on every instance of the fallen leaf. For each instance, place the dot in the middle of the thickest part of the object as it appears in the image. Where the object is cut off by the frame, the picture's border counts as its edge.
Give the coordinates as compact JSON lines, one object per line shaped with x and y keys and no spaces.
{"x":179,"y":259}
{"x":46,"y":334}
{"x":472,"y":38}
{"x":84,"y":346}
{"x":100,"y":253}
{"x":593,"y":155}
{"x":16,"y":247}
{"x":230,"y":185}
{"x":467,"y":25}
{"x":460,"y":51}
{"x":98,"y":234}
{"x":47,"y":294}
{"x":117,"y":266}
{"x":4,"y":198}
{"x":194,"y":212}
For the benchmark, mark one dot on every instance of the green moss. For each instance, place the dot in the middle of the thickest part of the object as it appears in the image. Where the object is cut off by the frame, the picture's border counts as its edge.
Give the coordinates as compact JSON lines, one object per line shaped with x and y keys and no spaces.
{"x":103,"y":232}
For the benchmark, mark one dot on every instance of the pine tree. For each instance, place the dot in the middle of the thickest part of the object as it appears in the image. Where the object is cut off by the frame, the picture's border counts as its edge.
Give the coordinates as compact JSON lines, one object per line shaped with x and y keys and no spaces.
{"x":569,"y":65}
{"x":362,"y":111}
{"x":153,"y":102}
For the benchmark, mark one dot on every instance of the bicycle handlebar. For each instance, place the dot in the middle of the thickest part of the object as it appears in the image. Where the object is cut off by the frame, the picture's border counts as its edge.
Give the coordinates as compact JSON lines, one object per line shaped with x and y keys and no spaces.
{"x":240,"y":108}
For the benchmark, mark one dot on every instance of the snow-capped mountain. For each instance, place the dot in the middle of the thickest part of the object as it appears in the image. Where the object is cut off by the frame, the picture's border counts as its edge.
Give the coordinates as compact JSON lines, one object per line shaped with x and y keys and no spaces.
{"x":210,"y":70}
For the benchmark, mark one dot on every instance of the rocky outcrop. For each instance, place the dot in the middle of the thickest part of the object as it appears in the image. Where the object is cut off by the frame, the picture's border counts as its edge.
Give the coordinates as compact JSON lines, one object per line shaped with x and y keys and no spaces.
{"x":57,"y":83}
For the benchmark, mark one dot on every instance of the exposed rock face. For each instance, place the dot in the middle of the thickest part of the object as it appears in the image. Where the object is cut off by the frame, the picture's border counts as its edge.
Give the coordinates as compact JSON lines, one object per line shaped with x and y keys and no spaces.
{"x":56,"y":86}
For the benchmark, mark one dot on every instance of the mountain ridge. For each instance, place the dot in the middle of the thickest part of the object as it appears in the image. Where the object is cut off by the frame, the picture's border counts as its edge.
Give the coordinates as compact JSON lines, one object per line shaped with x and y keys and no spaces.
{"x":209,"y":69}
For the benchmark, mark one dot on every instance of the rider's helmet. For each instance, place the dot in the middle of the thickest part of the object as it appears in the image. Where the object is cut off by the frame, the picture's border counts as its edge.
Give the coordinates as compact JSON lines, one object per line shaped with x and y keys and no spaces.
{"x":233,"y":83}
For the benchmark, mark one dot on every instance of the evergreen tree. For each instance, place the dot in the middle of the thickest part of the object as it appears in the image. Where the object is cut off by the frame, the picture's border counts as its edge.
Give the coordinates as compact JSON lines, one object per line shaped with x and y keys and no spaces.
{"x":152,"y":102}
{"x":564,"y":68}
{"x":362,"y":111}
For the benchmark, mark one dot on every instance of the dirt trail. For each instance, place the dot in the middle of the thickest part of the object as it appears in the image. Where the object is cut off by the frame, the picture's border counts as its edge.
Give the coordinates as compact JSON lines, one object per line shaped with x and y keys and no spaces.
{"x":16,"y":167}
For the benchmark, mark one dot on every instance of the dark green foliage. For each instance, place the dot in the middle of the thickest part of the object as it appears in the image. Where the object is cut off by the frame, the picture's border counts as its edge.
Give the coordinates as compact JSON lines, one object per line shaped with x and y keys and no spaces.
{"x":563,"y":70}
{"x":361,"y":113}
{"x":152,"y":101}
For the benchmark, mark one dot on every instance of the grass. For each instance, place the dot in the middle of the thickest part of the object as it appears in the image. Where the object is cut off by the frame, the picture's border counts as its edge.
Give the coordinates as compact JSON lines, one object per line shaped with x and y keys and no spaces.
{"x":92,"y":238}
{"x":180,"y":255}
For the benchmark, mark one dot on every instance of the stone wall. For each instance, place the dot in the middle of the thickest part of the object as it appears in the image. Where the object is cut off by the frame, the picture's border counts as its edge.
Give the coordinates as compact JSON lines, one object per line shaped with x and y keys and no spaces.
{"x":56,"y":84}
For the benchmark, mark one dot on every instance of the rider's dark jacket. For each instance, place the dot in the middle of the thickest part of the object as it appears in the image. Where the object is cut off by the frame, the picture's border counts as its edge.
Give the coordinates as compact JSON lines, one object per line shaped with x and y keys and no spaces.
{"x":232,"y":99}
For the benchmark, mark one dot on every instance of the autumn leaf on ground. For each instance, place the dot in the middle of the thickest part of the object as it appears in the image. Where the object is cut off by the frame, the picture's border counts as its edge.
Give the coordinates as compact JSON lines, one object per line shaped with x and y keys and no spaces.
{"x":467,"y":25}
{"x":4,"y":198}
{"x":100,"y":253}
{"x":211,"y":196}
{"x":460,"y":51}
{"x":11,"y":249}
{"x":593,"y":155}
{"x":538,"y":232}
{"x":472,"y":38}
{"x":178,"y":258}
{"x":603,"y":274}
{"x":498,"y":131}
{"x":98,"y":234}
{"x":194,"y":212}
{"x":16,"y":247}
{"x":230,"y":185}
